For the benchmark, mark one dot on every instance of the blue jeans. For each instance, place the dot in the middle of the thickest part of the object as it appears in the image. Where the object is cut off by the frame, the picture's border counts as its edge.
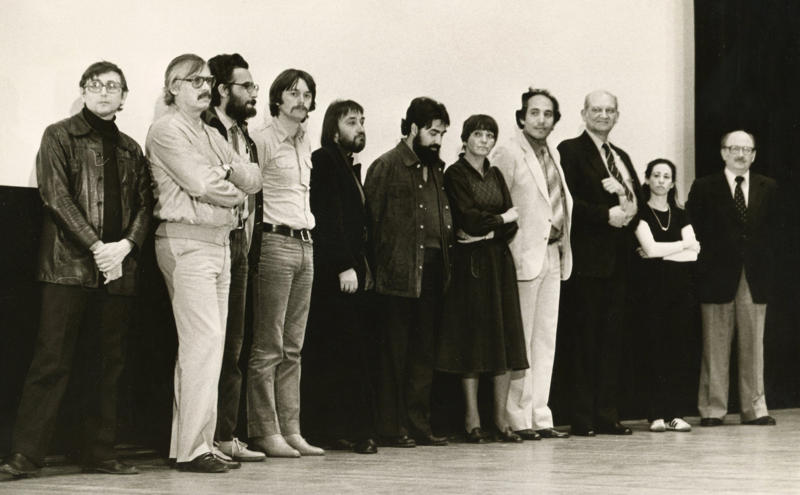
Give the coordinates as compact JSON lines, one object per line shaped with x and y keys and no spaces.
{"x":282,"y":295}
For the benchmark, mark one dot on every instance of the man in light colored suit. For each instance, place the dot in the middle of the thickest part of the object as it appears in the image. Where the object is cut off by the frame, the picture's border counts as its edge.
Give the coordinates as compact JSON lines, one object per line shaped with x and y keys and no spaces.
{"x":542,"y":253}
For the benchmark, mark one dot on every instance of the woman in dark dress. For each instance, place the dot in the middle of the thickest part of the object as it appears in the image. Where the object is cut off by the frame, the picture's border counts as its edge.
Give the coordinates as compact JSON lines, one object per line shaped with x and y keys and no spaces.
{"x":668,"y":248}
{"x":482,"y":324}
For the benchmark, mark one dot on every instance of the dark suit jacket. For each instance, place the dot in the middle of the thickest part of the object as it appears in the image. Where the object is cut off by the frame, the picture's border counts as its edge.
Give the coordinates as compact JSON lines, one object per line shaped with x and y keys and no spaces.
{"x":726,"y":243}
{"x":596,"y":245}
{"x":341,"y":219}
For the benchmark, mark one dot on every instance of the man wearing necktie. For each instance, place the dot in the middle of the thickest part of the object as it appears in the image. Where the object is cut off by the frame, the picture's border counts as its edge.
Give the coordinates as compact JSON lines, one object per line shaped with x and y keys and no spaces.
{"x":542,"y":255}
{"x":233,"y":101}
{"x":734,"y":215}
{"x":605,"y":189}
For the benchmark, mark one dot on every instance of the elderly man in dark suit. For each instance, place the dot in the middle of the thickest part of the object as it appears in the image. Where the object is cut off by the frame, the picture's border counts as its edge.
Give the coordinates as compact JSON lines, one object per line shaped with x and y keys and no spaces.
{"x":734,"y":215}
{"x":604,"y":188}
{"x":336,"y":387}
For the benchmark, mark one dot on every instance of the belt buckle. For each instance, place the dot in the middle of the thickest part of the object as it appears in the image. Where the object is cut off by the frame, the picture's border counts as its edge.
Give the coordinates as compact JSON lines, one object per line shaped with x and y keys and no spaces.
{"x":305,"y":235}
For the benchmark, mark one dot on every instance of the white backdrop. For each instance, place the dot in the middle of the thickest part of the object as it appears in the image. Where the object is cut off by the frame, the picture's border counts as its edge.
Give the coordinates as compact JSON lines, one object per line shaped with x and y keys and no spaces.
{"x":474,"y":56}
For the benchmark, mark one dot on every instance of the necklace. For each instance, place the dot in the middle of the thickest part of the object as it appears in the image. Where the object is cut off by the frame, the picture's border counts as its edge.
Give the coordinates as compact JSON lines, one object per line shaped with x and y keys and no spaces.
{"x":669,"y":217}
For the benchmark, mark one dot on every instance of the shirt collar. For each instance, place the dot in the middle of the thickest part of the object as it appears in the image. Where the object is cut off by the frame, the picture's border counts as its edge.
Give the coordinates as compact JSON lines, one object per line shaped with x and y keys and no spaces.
{"x":283,"y":133}
{"x":223,"y":117}
{"x":536,"y":146}
{"x":731,"y":178}
{"x":598,"y":141}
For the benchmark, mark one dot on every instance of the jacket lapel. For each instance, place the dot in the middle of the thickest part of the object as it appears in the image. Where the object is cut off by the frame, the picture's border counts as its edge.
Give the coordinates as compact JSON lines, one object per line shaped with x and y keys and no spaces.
{"x":596,"y":160}
{"x":755,"y":195}
{"x":532,"y":162}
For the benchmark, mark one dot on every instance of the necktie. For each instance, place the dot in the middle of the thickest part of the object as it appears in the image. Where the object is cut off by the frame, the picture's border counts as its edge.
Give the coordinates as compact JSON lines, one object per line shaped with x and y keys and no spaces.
{"x":738,"y":198}
{"x":553,"y":189}
{"x":614,"y":171}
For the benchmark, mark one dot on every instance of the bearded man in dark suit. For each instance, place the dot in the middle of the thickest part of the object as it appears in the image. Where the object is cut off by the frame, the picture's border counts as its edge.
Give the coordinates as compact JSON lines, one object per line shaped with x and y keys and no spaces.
{"x":336,"y":385}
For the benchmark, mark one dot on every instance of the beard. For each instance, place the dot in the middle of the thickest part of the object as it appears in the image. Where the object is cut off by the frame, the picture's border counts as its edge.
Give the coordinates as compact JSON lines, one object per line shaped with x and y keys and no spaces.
{"x":354,"y":145}
{"x":426,"y":154}
{"x":239,"y":111}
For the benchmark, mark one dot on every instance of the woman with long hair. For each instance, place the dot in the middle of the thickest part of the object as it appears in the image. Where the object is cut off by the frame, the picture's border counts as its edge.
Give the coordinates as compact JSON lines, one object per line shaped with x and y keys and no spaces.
{"x":668,"y":248}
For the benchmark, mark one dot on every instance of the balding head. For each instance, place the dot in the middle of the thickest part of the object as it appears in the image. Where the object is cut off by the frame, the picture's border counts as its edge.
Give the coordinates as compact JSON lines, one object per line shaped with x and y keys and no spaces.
{"x":600,"y":112}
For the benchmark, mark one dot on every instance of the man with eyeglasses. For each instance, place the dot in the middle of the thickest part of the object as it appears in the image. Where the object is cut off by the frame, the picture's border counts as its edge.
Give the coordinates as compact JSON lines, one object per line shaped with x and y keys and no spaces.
{"x":233,"y":101}
{"x":200,"y":185}
{"x":285,"y":270}
{"x":734,"y":214}
{"x":605,"y":189}
{"x":95,"y":186}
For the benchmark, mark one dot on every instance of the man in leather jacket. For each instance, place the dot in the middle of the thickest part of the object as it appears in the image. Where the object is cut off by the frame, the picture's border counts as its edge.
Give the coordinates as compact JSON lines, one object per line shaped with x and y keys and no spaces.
{"x":95,"y":186}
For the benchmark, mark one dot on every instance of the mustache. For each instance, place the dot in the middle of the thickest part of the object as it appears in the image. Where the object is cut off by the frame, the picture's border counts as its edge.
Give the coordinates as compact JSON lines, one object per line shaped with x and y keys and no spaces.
{"x":300,"y":107}
{"x":251,"y":102}
{"x":204,"y":94}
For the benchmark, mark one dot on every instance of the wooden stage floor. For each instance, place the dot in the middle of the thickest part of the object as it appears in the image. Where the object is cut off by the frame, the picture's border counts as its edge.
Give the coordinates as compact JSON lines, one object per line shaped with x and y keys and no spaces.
{"x":727,"y":459}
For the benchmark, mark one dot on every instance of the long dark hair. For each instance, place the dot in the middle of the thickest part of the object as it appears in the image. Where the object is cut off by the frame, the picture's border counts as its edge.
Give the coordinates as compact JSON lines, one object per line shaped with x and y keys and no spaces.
{"x":330,"y":123}
{"x":672,"y":192}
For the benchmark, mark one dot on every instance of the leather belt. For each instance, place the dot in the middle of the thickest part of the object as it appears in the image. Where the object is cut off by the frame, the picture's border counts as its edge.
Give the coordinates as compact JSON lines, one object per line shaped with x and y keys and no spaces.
{"x":302,"y":234}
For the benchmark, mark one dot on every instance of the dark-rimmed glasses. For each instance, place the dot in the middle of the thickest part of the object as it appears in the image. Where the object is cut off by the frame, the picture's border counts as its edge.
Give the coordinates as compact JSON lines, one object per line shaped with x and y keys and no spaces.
{"x":736,"y":149}
{"x":96,"y":86}
{"x":249,"y":86}
{"x":197,"y":81}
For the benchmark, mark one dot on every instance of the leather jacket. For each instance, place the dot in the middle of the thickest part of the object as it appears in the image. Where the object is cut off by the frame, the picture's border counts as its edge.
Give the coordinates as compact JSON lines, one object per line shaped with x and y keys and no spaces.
{"x":69,"y":171}
{"x":393,"y":187}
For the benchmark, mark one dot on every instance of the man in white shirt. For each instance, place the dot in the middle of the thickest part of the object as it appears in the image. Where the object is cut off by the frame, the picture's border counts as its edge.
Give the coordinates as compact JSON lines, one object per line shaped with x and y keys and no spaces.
{"x":734,"y":215}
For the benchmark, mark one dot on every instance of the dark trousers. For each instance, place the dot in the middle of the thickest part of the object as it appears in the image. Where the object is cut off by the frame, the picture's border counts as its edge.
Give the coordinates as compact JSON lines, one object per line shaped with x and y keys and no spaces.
{"x":336,"y":390}
{"x":98,"y":321}
{"x":596,"y":313}
{"x":230,"y":378}
{"x":409,"y":328}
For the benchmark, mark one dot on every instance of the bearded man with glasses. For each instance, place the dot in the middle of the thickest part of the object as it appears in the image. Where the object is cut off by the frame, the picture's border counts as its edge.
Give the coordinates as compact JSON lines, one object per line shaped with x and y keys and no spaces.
{"x":200,"y":187}
{"x":95,"y":186}
{"x":233,"y":101}
{"x":735,"y":216}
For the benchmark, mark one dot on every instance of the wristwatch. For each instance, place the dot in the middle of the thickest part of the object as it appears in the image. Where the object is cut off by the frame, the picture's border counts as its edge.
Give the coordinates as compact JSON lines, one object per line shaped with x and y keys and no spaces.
{"x":227,"y":168}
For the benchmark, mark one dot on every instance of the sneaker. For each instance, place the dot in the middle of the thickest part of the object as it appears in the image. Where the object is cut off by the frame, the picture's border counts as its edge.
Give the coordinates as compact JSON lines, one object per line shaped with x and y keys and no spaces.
{"x":658,"y":425}
{"x":237,"y":450}
{"x":678,"y":424}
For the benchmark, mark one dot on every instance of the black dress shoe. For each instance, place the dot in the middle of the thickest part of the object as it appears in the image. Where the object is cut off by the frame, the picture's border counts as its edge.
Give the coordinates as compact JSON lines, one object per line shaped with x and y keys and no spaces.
{"x":204,"y":463}
{"x":528,"y":434}
{"x":710,"y":422}
{"x":762,"y":421}
{"x":552,"y":433}
{"x":19,"y":466}
{"x":615,"y":429}
{"x":583,"y":431}
{"x":507,"y":436}
{"x":231,"y":464}
{"x":476,"y":435}
{"x":367,"y":446}
{"x":431,"y":440}
{"x":110,"y":466}
{"x":402,"y":442}
{"x":339,"y":444}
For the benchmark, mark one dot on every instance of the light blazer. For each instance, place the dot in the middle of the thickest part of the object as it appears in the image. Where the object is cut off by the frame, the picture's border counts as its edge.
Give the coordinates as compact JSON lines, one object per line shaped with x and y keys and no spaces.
{"x":528,"y":186}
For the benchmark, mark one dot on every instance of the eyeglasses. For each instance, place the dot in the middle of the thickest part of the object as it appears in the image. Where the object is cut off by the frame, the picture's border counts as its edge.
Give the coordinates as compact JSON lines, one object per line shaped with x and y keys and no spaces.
{"x":197,"y":81}
{"x":597,"y":111}
{"x":747,"y":150}
{"x":96,"y":86}
{"x":249,"y":86}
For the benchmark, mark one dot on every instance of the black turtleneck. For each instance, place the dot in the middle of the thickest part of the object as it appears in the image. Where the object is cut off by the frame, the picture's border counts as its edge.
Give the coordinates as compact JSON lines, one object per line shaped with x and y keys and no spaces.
{"x":112,"y":201}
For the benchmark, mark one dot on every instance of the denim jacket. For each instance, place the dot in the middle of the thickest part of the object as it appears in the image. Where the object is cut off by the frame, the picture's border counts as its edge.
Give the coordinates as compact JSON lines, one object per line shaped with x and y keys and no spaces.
{"x":69,"y":171}
{"x":393,"y":188}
